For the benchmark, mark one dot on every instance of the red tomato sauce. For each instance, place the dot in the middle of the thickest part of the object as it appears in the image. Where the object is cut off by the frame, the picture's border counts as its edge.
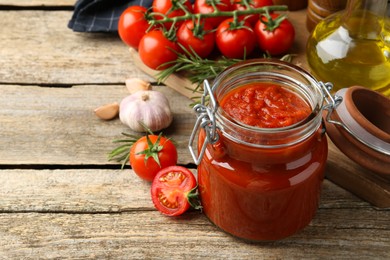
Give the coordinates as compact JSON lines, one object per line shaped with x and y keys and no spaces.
{"x":261,"y":193}
{"x":265,"y":105}
{"x":262,"y":201}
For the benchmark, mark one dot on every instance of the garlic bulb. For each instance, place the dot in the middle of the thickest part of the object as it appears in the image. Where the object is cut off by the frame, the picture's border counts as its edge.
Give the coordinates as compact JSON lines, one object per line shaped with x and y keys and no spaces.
{"x":147,"y":107}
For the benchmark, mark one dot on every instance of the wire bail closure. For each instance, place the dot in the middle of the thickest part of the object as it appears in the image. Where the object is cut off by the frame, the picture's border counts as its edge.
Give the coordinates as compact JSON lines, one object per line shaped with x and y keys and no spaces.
{"x":332,"y":102}
{"x":206,"y":120}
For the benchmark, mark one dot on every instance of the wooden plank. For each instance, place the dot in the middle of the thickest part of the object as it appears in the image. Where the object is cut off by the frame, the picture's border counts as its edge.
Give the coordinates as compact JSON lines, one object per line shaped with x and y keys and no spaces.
{"x":367,"y":185}
{"x":148,"y":235}
{"x":70,"y":191}
{"x":30,"y":3}
{"x":57,"y":125}
{"x":108,"y":214}
{"x":105,"y":191}
{"x":38,"y":48}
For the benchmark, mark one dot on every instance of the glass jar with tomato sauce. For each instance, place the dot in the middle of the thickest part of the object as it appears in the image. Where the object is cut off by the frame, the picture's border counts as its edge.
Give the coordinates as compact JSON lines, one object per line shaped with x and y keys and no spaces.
{"x":261,"y":149}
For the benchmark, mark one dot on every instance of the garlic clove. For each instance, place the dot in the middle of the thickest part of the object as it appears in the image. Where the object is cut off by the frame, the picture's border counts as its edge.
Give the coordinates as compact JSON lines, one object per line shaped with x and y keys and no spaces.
{"x":136,"y":84}
{"x":108,"y":111}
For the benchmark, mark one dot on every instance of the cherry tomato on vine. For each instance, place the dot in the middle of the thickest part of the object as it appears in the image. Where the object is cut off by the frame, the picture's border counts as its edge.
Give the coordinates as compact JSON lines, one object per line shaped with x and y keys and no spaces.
{"x":171,"y":190}
{"x":151,"y":153}
{"x":132,"y":25}
{"x":237,"y":42}
{"x":155,"y":49}
{"x":275,"y":34}
{"x":199,"y":38}
{"x":252,"y":18}
{"x":202,"y":7}
{"x":170,"y":9}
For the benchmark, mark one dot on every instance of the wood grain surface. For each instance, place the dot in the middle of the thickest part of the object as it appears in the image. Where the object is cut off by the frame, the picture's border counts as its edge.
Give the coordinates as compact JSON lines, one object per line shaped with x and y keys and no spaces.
{"x":39,"y":48}
{"x":92,"y":214}
{"x":38,"y":3}
{"x":44,"y":125}
{"x":61,"y":199}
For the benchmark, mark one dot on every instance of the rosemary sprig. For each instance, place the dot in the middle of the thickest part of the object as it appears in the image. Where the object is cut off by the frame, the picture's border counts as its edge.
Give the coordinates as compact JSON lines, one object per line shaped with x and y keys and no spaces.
{"x":197,"y":69}
{"x":122,"y":152}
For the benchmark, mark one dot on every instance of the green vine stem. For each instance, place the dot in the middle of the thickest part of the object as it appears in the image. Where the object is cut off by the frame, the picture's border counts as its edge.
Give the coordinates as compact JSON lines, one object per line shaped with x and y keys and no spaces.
{"x":246,"y":4}
{"x":216,"y":13}
{"x":272,"y":24}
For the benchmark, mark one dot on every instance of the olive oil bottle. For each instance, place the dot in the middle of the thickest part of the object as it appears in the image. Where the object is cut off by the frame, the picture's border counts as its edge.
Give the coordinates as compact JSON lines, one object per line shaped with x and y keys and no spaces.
{"x":352,"y":47}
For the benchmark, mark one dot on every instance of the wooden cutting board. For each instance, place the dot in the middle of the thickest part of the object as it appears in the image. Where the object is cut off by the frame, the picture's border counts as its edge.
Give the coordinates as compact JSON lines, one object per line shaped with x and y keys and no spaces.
{"x":340,"y":169}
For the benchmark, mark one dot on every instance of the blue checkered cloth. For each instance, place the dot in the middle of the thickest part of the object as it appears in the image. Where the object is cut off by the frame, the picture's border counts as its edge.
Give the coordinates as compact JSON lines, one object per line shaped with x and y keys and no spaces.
{"x":100,"y":15}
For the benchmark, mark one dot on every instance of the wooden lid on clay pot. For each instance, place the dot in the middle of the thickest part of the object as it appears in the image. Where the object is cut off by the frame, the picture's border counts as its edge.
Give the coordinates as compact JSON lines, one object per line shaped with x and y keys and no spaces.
{"x":362,"y":128}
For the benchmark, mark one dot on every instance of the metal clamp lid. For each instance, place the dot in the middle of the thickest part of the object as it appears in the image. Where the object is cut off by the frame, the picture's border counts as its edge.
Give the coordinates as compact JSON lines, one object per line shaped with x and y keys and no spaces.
{"x":332,"y":101}
{"x":205,"y":120}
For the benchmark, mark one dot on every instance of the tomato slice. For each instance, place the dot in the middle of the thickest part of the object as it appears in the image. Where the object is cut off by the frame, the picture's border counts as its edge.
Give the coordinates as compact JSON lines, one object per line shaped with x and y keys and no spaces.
{"x":170,"y":190}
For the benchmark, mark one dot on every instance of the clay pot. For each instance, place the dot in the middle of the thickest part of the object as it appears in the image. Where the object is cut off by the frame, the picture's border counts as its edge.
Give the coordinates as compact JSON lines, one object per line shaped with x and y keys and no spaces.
{"x":366,"y":114}
{"x":293,"y":5}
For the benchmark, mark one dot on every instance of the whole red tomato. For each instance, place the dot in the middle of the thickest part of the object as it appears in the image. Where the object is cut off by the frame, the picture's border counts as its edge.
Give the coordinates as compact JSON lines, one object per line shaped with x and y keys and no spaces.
{"x":252,"y":18}
{"x":199,"y":38}
{"x":202,"y":7}
{"x":150,"y":154}
{"x":171,"y":189}
{"x":132,"y":25}
{"x":170,"y":9}
{"x":235,"y":43}
{"x":275,"y":34}
{"x":155,"y":49}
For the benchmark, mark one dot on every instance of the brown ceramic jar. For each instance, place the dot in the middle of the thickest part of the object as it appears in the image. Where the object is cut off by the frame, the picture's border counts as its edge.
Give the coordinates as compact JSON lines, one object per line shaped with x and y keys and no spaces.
{"x":319,"y":9}
{"x":366,"y":114}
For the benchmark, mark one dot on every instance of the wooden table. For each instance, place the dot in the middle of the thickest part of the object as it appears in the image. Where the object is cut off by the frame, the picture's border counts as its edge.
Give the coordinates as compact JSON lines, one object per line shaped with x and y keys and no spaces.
{"x":61,"y":198}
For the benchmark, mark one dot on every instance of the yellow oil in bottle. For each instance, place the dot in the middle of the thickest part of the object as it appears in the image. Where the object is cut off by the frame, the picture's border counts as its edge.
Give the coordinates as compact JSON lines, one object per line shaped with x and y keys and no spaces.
{"x":352,"y":52}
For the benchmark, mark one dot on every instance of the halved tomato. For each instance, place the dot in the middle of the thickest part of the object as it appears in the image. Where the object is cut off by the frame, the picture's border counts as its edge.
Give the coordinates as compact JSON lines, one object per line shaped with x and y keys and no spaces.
{"x":172,"y":189}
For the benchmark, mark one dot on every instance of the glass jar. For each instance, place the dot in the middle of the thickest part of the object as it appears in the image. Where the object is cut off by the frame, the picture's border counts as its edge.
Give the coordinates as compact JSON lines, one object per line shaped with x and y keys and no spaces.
{"x":352,"y":47}
{"x":260,"y":184}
